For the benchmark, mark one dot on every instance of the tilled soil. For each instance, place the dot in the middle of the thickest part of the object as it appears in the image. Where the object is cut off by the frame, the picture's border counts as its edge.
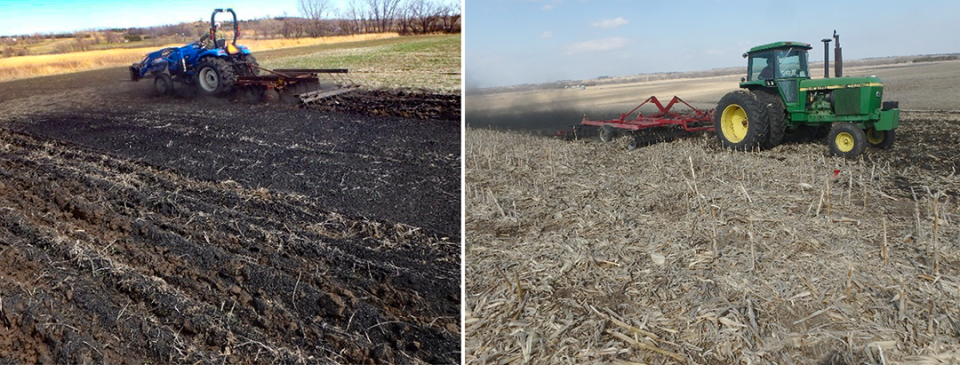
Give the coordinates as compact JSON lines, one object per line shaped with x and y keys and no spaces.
{"x":138,"y":228}
{"x":394,"y":103}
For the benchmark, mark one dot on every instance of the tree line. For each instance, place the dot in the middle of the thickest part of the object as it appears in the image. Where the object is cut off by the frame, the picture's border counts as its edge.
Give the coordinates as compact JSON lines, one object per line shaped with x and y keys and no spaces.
{"x":320,"y":18}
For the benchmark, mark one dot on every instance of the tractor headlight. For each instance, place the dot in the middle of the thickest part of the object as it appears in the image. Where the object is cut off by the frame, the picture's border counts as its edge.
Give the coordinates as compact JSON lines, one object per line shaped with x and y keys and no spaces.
{"x":878,"y":94}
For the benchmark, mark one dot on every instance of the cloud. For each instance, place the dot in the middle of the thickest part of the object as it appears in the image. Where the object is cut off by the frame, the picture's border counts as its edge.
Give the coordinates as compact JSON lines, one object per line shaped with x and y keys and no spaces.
{"x":552,"y":4}
{"x":546,"y":35}
{"x":599,"y":45}
{"x":610,"y":23}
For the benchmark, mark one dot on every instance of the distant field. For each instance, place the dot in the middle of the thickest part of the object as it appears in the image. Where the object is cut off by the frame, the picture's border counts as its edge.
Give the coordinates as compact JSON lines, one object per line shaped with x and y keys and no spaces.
{"x":918,"y":86}
{"x":429,"y":63}
{"x":40,"y":65}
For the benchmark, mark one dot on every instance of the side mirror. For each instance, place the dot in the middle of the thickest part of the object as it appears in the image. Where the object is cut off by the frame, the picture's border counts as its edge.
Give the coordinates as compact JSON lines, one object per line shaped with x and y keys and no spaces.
{"x":742,"y":79}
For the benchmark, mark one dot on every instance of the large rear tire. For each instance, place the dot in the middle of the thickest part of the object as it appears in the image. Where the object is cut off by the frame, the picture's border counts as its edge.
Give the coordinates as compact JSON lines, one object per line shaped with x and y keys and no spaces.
{"x":741,"y":121}
{"x":215,"y":77}
{"x":846,"y":140}
{"x":776,"y":118}
{"x":252,"y":65}
{"x":880,"y":139}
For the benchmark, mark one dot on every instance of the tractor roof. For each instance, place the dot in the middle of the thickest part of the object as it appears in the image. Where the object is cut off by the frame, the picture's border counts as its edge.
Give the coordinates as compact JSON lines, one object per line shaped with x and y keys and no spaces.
{"x":774,"y":45}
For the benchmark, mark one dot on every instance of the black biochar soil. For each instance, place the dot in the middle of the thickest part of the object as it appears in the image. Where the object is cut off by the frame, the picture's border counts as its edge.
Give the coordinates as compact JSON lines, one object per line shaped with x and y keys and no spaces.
{"x":135,"y":227}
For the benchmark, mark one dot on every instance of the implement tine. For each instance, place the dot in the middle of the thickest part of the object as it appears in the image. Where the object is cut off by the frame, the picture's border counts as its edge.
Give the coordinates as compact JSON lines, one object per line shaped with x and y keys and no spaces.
{"x":664,"y":125}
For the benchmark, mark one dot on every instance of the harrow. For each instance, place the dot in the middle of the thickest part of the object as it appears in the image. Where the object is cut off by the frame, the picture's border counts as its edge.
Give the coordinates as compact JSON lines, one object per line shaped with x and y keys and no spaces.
{"x":295,"y":85}
{"x":662,"y":126}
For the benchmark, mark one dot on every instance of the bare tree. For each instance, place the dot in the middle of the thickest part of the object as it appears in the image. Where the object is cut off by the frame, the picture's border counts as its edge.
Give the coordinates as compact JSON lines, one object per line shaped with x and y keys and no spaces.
{"x":404,"y":18}
{"x":112,"y":37}
{"x":426,"y":14}
{"x":80,"y":44}
{"x":344,"y":22}
{"x":382,"y":13}
{"x":450,"y":18}
{"x":348,"y":19}
{"x":314,"y":11}
{"x":299,"y":27}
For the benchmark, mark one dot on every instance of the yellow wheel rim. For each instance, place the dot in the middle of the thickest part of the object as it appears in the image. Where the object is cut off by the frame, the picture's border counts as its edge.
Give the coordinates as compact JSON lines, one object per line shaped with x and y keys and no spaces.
{"x":844,"y":141}
{"x":734,"y":123}
{"x":874,"y":136}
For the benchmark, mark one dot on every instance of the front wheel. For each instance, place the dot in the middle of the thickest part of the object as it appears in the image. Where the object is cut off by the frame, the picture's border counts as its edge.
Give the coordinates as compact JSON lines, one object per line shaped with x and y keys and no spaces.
{"x":847,"y":140}
{"x":163,"y":84}
{"x":741,"y":121}
{"x":880,"y":139}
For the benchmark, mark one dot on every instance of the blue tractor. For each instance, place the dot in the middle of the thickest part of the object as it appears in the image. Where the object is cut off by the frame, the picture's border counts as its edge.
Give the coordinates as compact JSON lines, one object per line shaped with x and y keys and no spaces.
{"x":218,"y":68}
{"x":211,"y":64}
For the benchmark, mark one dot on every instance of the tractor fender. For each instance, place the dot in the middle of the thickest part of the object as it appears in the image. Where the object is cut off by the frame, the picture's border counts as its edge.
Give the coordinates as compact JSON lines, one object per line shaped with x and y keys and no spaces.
{"x":212,"y":53}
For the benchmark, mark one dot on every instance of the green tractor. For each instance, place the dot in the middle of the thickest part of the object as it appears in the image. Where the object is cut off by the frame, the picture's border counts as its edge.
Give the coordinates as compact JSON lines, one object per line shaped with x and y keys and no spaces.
{"x":778,"y":102}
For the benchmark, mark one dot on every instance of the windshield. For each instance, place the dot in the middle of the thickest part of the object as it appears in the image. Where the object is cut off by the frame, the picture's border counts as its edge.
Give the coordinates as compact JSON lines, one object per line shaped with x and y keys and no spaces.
{"x":793,"y":63}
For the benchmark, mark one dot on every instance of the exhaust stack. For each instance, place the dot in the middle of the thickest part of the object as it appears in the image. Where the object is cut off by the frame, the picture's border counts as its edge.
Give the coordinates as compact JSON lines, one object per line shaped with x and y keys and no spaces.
{"x":826,"y":57}
{"x":837,"y":55}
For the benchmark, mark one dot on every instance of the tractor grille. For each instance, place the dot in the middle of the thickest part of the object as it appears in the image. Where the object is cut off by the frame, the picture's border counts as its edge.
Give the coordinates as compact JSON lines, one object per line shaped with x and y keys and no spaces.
{"x":846,"y":101}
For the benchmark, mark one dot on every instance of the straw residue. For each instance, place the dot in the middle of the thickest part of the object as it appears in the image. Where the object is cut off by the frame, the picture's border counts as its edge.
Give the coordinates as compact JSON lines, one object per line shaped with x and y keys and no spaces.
{"x":584,"y":252}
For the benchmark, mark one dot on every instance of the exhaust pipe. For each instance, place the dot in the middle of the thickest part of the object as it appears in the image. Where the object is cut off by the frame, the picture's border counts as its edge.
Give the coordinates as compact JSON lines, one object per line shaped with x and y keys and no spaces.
{"x":826,"y":57}
{"x":837,"y":55}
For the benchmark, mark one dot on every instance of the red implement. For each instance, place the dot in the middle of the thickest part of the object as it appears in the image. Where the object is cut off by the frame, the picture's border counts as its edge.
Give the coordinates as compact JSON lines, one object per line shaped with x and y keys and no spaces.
{"x":662,"y":125}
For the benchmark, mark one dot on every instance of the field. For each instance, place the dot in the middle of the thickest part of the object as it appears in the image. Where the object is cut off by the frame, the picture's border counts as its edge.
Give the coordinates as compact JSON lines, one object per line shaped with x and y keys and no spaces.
{"x":54,"y":64}
{"x":140,"y":228}
{"x":681,"y":252}
{"x":391,"y":63}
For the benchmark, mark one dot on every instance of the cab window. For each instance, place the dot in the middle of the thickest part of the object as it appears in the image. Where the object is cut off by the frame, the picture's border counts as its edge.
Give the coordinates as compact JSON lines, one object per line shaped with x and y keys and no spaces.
{"x":761,"y":66}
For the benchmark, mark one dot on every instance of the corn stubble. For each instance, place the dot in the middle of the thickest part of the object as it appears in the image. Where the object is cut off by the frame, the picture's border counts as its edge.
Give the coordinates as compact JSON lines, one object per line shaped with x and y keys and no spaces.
{"x":584,"y":252}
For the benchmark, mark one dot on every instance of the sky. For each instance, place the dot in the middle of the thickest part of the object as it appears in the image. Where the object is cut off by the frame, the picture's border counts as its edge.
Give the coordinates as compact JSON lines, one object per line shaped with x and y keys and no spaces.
{"x":19,"y":17}
{"x":27,"y":17}
{"x":512,"y":42}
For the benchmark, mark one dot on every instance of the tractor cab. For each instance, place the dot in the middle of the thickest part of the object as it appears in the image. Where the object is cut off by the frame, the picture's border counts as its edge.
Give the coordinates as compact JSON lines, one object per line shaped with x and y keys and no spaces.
{"x":780,"y":64}
{"x":779,"y":100}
